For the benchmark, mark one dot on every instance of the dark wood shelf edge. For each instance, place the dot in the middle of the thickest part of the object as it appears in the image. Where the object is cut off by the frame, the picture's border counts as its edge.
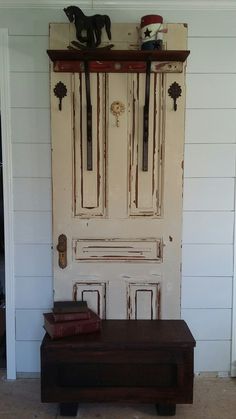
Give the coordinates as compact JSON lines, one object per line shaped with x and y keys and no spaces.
{"x":118,"y":55}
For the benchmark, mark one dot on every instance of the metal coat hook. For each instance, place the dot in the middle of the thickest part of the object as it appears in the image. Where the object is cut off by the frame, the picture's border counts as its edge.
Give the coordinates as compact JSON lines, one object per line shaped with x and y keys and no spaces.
{"x":60,"y":91}
{"x":174,"y":92}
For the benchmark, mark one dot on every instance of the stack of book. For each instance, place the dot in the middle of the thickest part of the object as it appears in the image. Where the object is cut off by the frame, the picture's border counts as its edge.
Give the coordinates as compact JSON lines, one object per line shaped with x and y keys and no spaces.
{"x":70,"y":318}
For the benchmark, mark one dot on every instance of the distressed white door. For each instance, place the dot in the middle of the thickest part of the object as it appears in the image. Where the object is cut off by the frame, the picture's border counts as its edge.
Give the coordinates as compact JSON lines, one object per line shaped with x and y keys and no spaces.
{"x":123,"y":224}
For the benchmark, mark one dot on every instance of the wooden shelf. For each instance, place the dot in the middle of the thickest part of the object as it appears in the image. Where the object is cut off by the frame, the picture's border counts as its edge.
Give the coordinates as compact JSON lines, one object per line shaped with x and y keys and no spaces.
{"x":102,"y":60}
{"x":116,"y":55}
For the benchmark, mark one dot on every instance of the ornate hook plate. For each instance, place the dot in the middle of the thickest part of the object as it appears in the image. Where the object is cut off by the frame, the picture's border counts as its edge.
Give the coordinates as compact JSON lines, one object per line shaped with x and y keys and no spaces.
{"x":117,"y":108}
{"x":174,"y":92}
{"x":60,"y":91}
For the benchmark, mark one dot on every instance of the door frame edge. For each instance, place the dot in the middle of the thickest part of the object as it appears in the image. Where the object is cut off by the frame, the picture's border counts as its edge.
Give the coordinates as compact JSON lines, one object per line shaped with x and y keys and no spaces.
{"x":233,"y":330}
{"x":8,"y":203}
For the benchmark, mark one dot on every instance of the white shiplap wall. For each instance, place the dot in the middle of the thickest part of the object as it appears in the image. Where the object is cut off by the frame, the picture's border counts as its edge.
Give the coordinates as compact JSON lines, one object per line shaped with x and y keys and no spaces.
{"x":209,"y":176}
{"x":208,"y":219}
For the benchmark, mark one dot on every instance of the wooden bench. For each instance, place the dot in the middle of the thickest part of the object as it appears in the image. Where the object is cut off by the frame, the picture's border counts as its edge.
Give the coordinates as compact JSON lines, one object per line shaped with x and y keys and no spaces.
{"x":149,"y":361}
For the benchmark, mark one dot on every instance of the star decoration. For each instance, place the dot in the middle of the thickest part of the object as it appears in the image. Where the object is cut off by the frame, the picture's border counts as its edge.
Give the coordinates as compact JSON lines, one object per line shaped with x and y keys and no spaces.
{"x":147,"y":33}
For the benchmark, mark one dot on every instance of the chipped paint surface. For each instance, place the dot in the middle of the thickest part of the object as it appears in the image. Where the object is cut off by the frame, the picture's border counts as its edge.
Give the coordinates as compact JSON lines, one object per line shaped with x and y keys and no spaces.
{"x":89,"y":185}
{"x":94,"y":293}
{"x":114,"y":249}
{"x":145,"y":187}
{"x":143,"y":300}
{"x":119,"y":220}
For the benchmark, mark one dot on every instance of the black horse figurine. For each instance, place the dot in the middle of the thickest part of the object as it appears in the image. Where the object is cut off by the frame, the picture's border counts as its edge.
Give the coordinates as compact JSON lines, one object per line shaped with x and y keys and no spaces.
{"x":92,"y":25}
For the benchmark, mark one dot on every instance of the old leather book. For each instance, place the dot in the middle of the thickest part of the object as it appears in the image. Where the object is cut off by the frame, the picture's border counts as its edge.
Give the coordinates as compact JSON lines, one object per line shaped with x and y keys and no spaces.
{"x":58,"y":330}
{"x":70,"y":306}
{"x":65,"y":317}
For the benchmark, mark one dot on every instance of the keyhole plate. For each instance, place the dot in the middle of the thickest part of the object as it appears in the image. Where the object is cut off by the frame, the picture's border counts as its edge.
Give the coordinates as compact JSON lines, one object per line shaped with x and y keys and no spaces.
{"x":117,"y":108}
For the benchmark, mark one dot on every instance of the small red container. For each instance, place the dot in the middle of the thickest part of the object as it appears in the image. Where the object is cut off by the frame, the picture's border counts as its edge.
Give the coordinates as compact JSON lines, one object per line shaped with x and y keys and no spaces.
{"x":151,"y":25}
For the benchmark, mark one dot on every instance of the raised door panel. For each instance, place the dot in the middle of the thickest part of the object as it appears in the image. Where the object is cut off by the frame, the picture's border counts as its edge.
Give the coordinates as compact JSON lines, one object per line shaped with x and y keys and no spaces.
{"x":95,"y":295}
{"x":143,"y":301}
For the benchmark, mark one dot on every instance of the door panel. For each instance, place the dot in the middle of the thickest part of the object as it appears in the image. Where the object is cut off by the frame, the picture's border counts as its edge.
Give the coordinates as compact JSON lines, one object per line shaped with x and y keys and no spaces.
{"x":95,"y":295}
{"x":89,"y":185}
{"x":144,"y":301}
{"x":115,"y":249}
{"x":145,"y":186}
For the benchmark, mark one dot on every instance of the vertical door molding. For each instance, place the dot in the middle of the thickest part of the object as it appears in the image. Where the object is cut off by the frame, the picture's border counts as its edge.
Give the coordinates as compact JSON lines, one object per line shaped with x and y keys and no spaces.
{"x":233,"y":343}
{"x":8,"y":203}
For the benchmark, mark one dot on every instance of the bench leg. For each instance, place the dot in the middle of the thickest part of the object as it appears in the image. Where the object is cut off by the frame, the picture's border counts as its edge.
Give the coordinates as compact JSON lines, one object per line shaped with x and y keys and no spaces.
{"x":68,"y":409}
{"x":166,"y":409}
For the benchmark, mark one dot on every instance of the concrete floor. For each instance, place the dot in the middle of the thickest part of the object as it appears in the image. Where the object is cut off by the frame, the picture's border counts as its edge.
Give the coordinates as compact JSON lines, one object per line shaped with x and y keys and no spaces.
{"x":214,"y":398}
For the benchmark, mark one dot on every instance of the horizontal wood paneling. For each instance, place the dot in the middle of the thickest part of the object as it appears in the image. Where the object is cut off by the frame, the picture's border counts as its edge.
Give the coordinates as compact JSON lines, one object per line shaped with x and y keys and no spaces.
{"x":28,"y":356}
{"x":31,"y":160}
{"x":39,"y":292}
{"x":205,"y":57}
{"x":200,"y":23}
{"x":33,"y":227}
{"x":210,"y":91}
{"x":28,"y":53}
{"x":34,"y":321}
{"x":206,"y":292}
{"x":209,"y":160}
{"x":211,"y":356}
{"x":210,"y":126}
{"x":207,"y":260}
{"x":35,"y":22}
{"x":208,"y":227}
{"x":32,"y":194}
{"x":33,"y":260}
{"x":205,"y":324}
{"x":209,"y":194}
{"x":21,"y":21}
{"x":30,"y":125}
{"x":29,"y":90}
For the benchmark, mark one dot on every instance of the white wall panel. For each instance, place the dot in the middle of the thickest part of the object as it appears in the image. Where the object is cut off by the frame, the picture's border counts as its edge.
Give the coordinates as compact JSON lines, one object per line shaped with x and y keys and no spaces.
{"x":33,"y":227}
{"x":204,"y":23}
{"x":28,"y":53}
{"x":207,"y":260}
{"x":208,"y":227}
{"x":28,"y":356}
{"x":211,"y":91}
{"x":206,"y":292}
{"x":209,"y":160}
{"x":30,"y":125}
{"x":212,"y":356}
{"x":35,"y":21}
{"x":205,"y":324}
{"x":34,"y":292}
{"x":33,"y":260}
{"x":30,"y":21}
{"x":205,"y":57}
{"x":31,"y":160}
{"x":32,"y":194}
{"x":200,"y":23}
{"x":29,"y":90}
{"x":29,"y":325}
{"x":208,"y":194}
{"x":210,"y":126}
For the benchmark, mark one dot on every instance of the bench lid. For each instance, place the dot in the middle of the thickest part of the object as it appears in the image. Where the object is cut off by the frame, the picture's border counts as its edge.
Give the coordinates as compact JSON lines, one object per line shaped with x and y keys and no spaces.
{"x":133,"y":334}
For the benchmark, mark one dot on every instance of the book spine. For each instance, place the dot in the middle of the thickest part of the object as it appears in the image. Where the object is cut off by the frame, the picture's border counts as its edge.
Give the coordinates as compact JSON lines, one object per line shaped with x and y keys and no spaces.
{"x":59,"y":330}
{"x":61,"y":317}
{"x":68,"y":309}
{"x":62,"y":330}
